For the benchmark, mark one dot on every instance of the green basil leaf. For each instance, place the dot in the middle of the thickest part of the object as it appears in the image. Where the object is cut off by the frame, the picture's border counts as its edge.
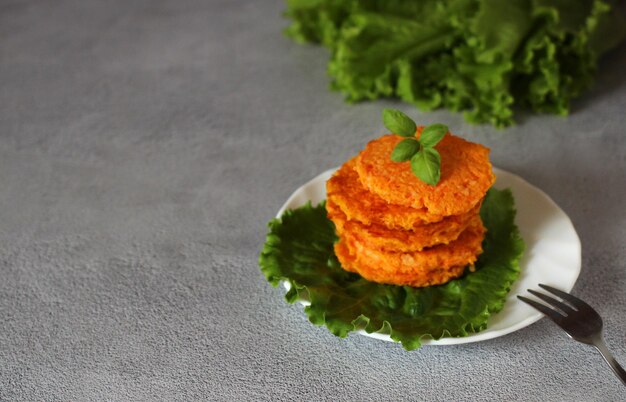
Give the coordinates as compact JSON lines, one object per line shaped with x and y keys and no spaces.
{"x":426,"y":165}
{"x":405,"y":150}
{"x":399,"y":123}
{"x":432,"y":134}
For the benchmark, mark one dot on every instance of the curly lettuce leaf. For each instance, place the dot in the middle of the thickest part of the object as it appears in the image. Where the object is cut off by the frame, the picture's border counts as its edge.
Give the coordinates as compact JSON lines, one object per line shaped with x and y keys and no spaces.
{"x":481,"y":57}
{"x":315,"y":21}
{"x":299,"y":250}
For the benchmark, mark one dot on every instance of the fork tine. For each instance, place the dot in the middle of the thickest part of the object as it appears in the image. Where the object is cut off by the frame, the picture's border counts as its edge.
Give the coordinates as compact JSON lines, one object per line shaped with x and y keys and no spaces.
{"x":575,"y":301}
{"x":553,"y":315}
{"x":553,"y":302}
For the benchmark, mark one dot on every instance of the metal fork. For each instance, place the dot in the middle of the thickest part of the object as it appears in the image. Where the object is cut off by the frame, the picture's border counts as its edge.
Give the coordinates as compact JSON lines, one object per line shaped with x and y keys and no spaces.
{"x":578,"y":319}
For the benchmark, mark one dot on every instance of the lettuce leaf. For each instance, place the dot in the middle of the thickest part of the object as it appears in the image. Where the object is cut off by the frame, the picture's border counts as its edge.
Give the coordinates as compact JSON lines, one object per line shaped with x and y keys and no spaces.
{"x":299,"y":249}
{"x":482,"y":57}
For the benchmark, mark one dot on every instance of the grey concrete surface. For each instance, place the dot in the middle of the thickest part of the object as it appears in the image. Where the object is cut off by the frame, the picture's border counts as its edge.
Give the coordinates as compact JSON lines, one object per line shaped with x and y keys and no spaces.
{"x":144,"y":145}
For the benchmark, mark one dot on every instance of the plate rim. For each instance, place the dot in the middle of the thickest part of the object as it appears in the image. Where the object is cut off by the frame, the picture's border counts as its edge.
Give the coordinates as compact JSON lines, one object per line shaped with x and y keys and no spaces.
{"x":486,"y":334}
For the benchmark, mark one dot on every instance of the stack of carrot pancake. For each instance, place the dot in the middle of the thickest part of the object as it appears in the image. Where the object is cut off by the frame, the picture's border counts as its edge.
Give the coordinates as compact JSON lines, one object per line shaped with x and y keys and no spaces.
{"x":393,"y":228}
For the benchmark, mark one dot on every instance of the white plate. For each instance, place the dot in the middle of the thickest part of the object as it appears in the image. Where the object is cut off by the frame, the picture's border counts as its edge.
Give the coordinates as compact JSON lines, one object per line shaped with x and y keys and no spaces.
{"x":552,"y":253}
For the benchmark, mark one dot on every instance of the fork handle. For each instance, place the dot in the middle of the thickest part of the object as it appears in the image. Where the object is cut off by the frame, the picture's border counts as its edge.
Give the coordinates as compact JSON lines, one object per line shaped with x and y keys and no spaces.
{"x":608,"y":357}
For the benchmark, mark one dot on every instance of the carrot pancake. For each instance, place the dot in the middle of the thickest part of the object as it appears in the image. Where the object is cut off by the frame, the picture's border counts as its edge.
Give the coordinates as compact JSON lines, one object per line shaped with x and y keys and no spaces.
{"x":379,"y":236}
{"x":434,"y":265}
{"x":466,"y":175}
{"x":344,"y":190}
{"x":416,"y":278}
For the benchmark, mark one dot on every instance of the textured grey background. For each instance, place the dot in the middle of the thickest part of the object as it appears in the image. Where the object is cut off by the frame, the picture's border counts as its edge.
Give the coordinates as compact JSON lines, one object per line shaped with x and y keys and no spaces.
{"x":144,"y":145}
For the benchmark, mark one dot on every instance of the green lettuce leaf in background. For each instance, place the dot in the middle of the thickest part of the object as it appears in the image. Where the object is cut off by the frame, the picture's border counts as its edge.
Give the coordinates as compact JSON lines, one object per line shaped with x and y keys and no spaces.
{"x":299,"y":250}
{"x":481,"y":57}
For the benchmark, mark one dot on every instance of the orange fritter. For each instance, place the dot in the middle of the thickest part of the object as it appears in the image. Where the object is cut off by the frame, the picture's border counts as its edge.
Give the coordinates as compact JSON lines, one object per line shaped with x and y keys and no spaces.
{"x":416,"y":279}
{"x":431,"y":266}
{"x":466,"y":175}
{"x":345,"y":191}
{"x":379,"y":236}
